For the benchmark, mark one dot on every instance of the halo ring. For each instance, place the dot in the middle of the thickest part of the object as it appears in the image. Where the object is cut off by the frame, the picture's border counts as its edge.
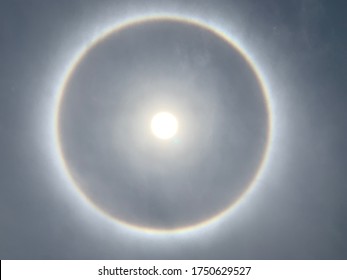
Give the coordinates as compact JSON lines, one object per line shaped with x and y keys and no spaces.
{"x":128,"y":24}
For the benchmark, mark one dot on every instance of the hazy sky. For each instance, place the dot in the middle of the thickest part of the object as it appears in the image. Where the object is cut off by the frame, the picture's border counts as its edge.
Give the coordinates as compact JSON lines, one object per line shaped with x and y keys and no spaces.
{"x":297,"y":209}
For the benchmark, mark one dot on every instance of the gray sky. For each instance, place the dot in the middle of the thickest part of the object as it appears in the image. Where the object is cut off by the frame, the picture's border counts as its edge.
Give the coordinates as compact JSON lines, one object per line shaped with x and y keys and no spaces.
{"x":296,"y":211}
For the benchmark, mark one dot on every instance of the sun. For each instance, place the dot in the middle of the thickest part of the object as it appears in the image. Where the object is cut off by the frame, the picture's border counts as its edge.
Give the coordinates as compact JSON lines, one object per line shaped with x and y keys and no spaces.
{"x":164,"y":125}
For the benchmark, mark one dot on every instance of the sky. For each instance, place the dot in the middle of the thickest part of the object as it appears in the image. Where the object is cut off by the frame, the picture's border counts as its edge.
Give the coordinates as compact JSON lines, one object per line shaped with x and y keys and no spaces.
{"x":268,"y":142}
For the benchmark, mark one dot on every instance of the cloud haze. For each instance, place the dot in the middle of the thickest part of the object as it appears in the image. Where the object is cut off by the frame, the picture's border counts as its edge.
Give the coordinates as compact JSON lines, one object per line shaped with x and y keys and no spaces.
{"x":296,"y":211}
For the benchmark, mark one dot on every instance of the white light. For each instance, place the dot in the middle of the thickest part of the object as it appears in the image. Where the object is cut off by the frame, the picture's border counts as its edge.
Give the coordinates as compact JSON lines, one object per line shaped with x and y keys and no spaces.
{"x":164,"y":125}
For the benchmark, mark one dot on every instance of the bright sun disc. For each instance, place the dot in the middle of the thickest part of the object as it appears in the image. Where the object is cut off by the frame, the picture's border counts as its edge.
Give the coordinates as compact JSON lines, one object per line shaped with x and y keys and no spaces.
{"x":164,"y":125}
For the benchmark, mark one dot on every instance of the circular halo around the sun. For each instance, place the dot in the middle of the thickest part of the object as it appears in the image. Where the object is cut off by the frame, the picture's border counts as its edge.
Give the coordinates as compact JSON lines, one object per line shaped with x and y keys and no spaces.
{"x":164,"y":125}
{"x":78,"y":182}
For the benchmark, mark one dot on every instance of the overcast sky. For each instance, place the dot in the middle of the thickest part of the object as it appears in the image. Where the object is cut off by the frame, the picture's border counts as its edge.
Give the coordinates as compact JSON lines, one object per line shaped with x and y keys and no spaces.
{"x":297,"y":209}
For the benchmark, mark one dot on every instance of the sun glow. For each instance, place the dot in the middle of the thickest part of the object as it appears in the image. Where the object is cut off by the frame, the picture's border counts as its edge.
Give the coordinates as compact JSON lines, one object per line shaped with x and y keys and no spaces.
{"x":164,"y":125}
